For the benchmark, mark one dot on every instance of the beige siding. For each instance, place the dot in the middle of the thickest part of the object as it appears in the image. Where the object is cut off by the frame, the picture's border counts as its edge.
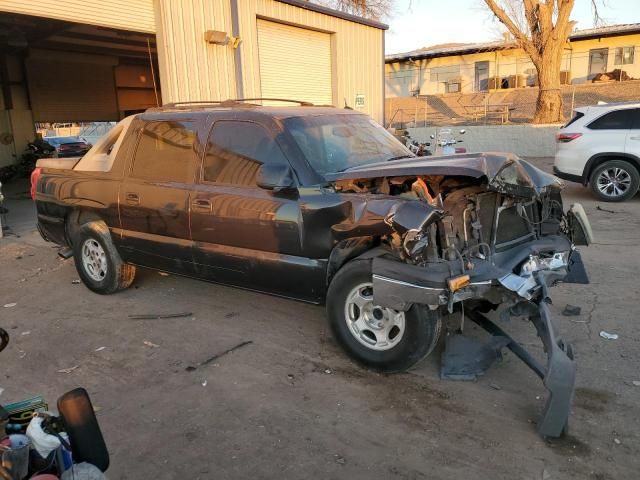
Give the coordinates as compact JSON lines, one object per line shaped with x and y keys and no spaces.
{"x":134,"y":15}
{"x":190,"y":69}
{"x":357,"y":52}
{"x":295,"y":63}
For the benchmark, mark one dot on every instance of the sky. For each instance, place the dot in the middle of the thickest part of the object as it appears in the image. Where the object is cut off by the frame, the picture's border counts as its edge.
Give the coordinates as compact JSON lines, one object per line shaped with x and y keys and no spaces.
{"x":420,"y":23}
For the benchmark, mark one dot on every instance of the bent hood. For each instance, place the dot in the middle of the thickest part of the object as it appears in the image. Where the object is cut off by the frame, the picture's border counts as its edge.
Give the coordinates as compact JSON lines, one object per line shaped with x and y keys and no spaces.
{"x":504,"y":172}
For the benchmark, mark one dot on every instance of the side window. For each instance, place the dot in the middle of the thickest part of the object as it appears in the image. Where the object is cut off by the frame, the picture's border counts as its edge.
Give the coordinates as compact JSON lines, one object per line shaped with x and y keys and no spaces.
{"x":618,"y":120}
{"x":236,"y":150}
{"x":165,"y":152}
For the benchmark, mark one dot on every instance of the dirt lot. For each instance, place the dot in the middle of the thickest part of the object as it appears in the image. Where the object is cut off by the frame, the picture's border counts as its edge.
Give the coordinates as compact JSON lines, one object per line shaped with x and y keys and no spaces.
{"x":290,"y":404}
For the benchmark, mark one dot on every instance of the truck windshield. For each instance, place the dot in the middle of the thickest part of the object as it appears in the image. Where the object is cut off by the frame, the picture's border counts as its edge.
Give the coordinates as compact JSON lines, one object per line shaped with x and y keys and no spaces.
{"x":334,"y":143}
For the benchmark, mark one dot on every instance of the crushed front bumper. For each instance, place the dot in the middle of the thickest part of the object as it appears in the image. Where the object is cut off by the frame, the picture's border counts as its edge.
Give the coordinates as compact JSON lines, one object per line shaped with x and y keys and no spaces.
{"x":398,"y":285}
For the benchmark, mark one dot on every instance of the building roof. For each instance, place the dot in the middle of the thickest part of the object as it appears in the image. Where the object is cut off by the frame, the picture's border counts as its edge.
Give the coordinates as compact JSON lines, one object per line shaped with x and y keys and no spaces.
{"x":314,"y":7}
{"x":462,"y":49}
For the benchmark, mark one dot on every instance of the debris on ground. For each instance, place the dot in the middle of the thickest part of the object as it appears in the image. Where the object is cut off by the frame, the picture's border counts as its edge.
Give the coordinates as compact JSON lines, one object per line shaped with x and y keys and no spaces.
{"x":328,"y":371}
{"x":636,"y":383}
{"x":99,"y":349}
{"x":617,"y":441}
{"x":151,"y":344}
{"x":608,"y":336}
{"x":156,"y":316}
{"x":605,"y":209}
{"x":571,"y":311}
{"x":26,"y":332}
{"x":495,"y":387}
{"x":75,"y":282}
{"x":340,"y":459}
{"x":191,"y":368}
{"x":68,"y":370}
{"x":163,"y":274}
{"x":9,"y":305}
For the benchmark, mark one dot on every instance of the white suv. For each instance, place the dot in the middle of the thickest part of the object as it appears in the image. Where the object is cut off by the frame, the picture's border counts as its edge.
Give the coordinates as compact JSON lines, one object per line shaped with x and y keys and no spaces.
{"x":600,"y":147}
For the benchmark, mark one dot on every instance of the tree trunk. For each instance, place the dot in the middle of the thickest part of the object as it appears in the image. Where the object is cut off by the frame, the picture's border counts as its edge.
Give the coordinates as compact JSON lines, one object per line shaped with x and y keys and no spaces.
{"x":549,"y":102}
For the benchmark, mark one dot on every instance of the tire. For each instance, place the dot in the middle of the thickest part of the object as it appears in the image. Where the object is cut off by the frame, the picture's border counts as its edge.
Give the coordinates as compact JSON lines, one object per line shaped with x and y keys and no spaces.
{"x":98,"y":262}
{"x":625,"y":186}
{"x":357,"y":332}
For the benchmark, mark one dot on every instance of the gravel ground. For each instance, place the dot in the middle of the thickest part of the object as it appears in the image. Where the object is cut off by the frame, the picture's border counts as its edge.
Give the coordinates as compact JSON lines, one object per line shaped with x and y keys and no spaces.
{"x":290,"y":404}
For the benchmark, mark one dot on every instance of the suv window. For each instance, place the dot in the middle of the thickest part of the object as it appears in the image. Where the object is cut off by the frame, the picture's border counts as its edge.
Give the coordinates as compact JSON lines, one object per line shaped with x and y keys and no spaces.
{"x":235,"y":151}
{"x":165,"y":152}
{"x":617,"y":120}
{"x":575,"y":118}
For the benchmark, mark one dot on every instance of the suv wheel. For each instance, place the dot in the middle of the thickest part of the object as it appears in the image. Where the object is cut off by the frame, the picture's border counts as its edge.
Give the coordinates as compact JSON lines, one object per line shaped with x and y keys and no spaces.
{"x":98,"y":262}
{"x":377,"y":337}
{"x":615,"y":181}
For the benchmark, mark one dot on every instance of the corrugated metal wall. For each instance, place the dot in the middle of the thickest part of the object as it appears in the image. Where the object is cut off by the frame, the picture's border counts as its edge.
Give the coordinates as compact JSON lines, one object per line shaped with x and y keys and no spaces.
{"x":191,"y":69}
{"x":134,"y":15}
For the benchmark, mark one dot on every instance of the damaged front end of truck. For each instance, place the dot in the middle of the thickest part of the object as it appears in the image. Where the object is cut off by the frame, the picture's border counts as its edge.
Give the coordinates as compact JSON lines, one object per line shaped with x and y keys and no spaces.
{"x":475,"y":233}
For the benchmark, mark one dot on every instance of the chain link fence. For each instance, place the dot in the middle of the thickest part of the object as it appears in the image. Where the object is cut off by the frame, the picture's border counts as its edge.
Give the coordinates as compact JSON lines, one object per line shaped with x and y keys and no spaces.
{"x":501,"y":107}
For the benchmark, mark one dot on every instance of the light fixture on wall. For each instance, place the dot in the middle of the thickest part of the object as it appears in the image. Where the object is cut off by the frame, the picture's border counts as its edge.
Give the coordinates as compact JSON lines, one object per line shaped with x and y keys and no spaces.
{"x":216,"y":37}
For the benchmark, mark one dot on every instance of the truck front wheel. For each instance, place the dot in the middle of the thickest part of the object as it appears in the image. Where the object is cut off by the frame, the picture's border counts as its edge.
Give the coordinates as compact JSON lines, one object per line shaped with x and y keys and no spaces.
{"x":381,"y":338}
{"x":98,"y":262}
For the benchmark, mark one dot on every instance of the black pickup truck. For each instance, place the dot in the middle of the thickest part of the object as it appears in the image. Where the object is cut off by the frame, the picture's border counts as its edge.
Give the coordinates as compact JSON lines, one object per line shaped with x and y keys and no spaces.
{"x":323,"y":205}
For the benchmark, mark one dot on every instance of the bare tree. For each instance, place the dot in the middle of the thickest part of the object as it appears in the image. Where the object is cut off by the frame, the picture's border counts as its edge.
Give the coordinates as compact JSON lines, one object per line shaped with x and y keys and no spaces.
{"x":541,"y":28}
{"x":374,"y":9}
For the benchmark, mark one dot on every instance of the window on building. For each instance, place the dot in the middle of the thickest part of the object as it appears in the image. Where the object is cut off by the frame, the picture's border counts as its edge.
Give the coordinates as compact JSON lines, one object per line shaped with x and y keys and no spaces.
{"x":618,"y":120}
{"x":236,"y":150}
{"x":624,"y":55}
{"x":165,"y":152}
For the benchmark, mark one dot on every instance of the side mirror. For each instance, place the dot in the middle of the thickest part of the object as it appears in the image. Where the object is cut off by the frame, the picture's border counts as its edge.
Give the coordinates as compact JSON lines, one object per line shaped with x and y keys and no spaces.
{"x":463,"y":131}
{"x":276,"y":177}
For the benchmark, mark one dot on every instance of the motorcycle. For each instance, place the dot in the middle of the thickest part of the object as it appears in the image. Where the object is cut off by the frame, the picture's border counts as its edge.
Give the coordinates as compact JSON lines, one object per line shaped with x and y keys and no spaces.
{"x":35,"y":151}
{"x":418,"y":148}
{"x":445,"y":141}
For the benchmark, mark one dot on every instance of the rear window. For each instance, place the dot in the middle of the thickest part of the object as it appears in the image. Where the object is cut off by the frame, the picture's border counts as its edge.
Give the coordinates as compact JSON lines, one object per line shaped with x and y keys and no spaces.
{"x":617,"y":120}
{"x":576,"y":117}
{"x":165,"y":152}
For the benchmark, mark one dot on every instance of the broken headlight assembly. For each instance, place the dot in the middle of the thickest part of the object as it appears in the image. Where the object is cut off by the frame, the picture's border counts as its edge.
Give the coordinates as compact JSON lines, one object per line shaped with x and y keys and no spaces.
{"x":537,"y":263}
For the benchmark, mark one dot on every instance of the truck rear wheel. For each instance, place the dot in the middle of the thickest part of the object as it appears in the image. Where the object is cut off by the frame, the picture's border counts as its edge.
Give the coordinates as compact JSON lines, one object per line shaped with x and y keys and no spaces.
{"x":381,"y":338}
{"x":98,"y":262}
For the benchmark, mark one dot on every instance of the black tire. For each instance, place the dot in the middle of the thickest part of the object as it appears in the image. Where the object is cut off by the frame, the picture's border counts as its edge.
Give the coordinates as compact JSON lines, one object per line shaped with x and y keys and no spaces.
{"x":421,"y":325}
{"x":117,"y":274}
{"x":627,"y":171}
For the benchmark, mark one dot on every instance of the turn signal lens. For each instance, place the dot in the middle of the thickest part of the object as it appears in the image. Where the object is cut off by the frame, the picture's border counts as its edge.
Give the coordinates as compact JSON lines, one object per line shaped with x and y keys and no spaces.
{"x":456,"y":283}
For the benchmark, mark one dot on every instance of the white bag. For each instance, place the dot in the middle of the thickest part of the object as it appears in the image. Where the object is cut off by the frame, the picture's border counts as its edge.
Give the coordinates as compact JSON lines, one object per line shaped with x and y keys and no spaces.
{"x":40,"y":440}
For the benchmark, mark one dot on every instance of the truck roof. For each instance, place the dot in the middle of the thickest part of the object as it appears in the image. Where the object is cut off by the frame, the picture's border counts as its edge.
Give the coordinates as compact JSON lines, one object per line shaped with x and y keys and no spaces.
{"x":301,"y":109}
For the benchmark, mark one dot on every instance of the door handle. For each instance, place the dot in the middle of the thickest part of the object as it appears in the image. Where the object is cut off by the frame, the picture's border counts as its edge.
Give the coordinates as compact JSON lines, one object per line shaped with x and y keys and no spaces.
{"x":634,"y":137}
{"x":201,"y":205}
{"x":132,"y":198}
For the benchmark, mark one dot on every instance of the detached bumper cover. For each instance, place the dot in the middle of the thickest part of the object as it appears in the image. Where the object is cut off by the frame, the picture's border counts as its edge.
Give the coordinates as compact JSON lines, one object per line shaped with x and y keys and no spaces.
{"x":398,"y":286}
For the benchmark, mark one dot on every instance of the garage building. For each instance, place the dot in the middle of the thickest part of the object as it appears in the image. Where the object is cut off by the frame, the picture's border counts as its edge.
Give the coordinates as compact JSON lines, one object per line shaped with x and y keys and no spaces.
{"x":96,"y":60}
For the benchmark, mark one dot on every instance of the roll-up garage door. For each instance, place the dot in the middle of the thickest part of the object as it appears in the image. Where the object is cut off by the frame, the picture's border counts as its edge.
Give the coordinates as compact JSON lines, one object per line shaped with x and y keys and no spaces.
{"x":71,"y":88}
{"x":295,"y":63}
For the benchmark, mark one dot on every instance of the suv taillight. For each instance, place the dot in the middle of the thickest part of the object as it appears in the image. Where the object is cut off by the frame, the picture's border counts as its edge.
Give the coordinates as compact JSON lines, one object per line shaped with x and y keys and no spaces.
{"x":34,"y":181}
{"x":567,"y":137}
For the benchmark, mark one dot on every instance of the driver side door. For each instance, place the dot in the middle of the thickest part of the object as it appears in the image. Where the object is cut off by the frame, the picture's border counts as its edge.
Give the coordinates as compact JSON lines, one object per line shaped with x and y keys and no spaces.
{"x":242,"y":234}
